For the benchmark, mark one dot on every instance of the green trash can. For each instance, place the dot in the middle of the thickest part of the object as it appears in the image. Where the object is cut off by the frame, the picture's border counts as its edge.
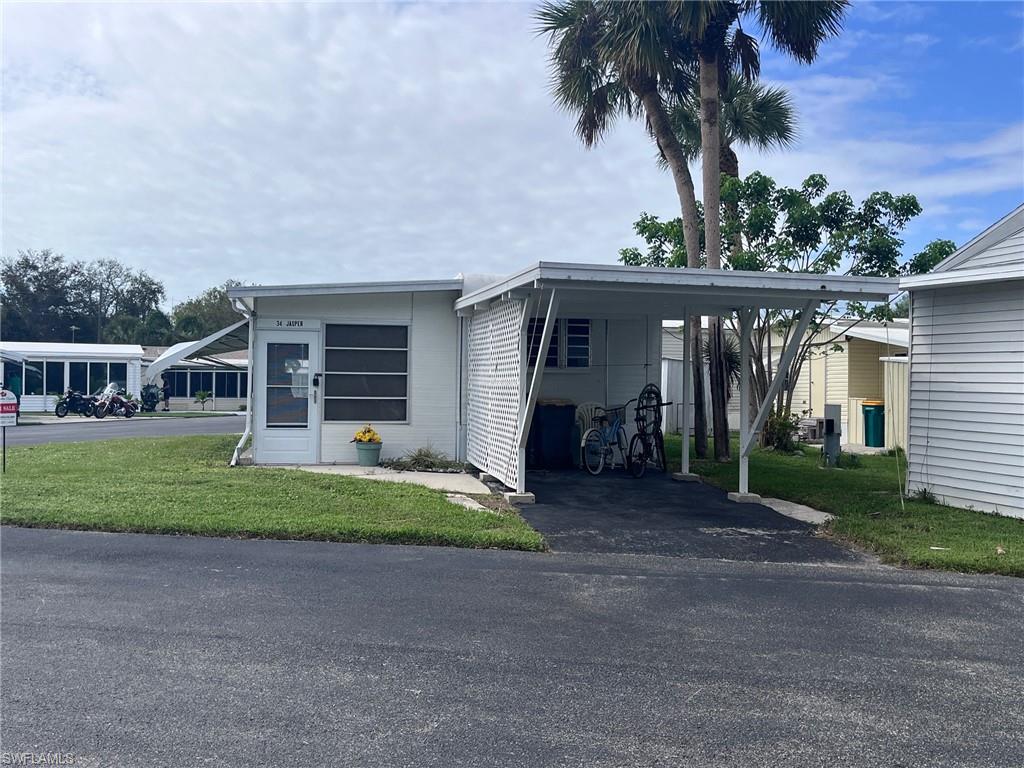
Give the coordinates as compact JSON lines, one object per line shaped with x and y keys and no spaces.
{"x":874,"y":423}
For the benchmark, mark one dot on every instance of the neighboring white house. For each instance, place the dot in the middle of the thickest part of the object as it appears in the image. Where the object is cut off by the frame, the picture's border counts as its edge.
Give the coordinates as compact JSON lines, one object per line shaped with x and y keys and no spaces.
{"x":47,"y":369}
{"x":966,"y":378}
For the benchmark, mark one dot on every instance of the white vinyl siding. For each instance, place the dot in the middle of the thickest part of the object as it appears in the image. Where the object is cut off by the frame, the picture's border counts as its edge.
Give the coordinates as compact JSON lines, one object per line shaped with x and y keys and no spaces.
{"x":433,"y":365}
{"x":967,"y":396}
{"x":1000,"y":254}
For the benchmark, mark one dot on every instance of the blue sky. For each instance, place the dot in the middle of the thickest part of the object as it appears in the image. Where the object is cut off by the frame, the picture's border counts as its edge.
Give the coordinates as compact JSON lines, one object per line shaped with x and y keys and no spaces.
{"x":330,"y":142}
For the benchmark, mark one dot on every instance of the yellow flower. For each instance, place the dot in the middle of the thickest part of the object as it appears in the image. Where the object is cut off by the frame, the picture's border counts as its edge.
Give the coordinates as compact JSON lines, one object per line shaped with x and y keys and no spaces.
{"x":367,"y":435}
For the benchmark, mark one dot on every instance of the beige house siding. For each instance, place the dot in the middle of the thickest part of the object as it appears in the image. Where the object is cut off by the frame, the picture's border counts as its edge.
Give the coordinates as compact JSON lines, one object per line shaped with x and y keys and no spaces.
{"x":894,"y":376}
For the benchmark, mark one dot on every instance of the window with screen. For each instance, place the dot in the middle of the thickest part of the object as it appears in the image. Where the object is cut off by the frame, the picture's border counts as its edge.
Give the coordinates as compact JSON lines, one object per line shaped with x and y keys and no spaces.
{"x":33,"y":377}
{"x":569,"y":347}
{"x":366,"y":373}
{"x":54,"y":378}
{"x":577,"y":343}
{"x":119,"y":374}
{"x":225,"y":384}
{"x":287,"y":385}
{"x":200,"y":381}
{"x":13,"y":377}
{"x":534,"y":336}
{"x":97,"y":376}
{"x":78,"y":376}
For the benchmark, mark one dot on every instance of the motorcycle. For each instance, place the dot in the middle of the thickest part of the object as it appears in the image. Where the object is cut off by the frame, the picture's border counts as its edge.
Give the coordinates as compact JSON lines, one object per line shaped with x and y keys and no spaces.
{"x":75,"y":402}
{"x":113,"y":402}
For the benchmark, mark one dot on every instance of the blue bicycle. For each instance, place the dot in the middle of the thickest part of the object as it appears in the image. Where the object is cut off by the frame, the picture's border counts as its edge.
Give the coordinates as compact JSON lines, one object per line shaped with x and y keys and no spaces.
{"x":597,"y":448}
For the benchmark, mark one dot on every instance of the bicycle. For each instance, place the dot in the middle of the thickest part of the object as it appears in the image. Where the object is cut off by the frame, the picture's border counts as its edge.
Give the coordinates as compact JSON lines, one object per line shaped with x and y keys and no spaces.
{"x":648,"y":444}
{"x":598,"y":444}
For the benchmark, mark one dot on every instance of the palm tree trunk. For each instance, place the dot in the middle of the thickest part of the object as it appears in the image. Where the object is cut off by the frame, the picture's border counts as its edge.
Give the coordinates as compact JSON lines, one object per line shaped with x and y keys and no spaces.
{"x":672,"y":151}
{"x":710,"y":137}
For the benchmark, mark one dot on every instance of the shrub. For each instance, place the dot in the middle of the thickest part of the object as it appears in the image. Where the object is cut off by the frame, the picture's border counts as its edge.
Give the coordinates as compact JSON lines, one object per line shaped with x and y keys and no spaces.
{"x":780,"y":430}
{"x":203,"y":397}
{"x":925,"y":495}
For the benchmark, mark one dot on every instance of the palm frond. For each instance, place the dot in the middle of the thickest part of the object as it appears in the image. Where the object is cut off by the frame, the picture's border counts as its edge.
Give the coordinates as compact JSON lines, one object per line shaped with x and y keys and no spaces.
{"x":798,"y":27}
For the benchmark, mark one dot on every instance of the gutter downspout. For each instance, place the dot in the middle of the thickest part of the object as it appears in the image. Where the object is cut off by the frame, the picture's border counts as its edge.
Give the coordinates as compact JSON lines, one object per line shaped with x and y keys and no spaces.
{"x":250,"y":315}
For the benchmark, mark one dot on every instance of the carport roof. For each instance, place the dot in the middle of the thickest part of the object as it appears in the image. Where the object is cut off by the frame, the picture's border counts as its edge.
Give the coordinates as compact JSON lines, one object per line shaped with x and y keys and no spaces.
{"x":231,"y":339}
{"x":666,"y":290}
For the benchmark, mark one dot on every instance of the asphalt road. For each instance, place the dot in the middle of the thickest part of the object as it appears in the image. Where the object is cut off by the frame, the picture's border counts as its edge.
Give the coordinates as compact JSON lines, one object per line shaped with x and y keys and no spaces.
{"x":131,"y":650}
{"x":73,"y":429}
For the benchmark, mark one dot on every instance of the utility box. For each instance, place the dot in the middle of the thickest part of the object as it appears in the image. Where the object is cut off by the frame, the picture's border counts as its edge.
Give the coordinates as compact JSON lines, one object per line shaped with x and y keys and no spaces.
{"x":833,"y":433}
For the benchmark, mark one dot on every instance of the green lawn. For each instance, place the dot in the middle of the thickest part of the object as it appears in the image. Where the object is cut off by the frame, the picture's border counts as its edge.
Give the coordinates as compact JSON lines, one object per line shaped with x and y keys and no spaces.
{"x":182,"y":485}
{"x":868,"y":513}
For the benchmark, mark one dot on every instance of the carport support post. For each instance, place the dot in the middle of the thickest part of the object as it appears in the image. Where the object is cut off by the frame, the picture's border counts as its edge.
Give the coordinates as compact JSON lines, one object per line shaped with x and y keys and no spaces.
{"x":744,"y":495}
{"x":684,"y":474}
{"x":526,"y":415}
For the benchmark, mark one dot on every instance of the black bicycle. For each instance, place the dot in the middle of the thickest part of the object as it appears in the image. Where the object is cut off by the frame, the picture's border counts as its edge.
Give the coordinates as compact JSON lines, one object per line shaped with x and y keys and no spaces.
{"x":648,"y":444}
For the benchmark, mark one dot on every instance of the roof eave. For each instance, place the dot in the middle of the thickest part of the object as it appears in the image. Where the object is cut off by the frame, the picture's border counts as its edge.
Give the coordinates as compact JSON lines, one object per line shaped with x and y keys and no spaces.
{"x":321,"y":289}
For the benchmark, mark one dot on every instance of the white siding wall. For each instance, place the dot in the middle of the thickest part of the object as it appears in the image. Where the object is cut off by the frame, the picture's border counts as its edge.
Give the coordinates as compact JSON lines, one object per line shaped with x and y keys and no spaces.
{"x":433,"y":365}
{"x":967,"y":396}
{"x":1000,"y":254}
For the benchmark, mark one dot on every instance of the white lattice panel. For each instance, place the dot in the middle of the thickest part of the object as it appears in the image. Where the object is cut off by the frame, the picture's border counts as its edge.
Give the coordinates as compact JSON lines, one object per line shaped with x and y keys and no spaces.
{"x":493,"y":390}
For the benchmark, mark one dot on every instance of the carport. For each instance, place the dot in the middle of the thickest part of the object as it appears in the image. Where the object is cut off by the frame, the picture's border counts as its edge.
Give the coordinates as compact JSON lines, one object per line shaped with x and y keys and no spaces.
{"x":501,"y":388}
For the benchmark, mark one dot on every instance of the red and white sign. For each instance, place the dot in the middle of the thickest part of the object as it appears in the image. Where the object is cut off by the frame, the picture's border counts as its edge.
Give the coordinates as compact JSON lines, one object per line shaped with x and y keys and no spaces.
{"x":8,"y":408}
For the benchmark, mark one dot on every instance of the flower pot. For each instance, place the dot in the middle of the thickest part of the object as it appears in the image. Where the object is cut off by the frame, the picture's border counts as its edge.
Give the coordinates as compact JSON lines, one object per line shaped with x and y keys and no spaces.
{"x":369,"y":454}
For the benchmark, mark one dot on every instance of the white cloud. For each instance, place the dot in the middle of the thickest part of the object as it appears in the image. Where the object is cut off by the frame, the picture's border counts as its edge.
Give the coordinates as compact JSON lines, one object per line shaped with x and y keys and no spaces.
{"x":284,"y":143}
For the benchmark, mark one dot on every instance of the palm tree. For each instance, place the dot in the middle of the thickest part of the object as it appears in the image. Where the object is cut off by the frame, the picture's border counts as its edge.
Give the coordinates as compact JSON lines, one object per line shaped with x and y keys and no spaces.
{"x":752,"y":114}
{"x":628,"y":59}
{"x":715,"y":29}
{"x":624,"y":59}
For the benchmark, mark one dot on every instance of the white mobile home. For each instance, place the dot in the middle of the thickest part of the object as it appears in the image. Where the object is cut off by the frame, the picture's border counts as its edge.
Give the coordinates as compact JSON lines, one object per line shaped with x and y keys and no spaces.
{"x":454,"y":366}
{"x":46,"y":369}
{"x":966,"y":377}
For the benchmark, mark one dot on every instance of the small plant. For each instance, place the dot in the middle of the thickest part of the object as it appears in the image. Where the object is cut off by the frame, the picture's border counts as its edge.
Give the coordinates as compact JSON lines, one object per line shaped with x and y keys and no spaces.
{"x":425,"y":459}
{"x":203,"y":397}
{"x":241,"y":407}
{"x":848,"y":460}
{"x":924,"y":495}
{"x":780,"y":432}
{"x":367,"y":435}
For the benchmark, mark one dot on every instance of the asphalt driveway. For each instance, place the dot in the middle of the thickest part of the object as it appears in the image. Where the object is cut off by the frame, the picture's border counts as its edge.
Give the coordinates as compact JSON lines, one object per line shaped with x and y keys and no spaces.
{"x":615,"y":513}
{"x":73,"y":429}
{"x":130,"y":650}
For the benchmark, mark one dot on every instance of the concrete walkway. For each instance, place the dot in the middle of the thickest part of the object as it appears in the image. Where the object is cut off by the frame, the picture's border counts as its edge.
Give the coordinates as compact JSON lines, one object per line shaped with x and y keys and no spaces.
{"x":458,"y":482}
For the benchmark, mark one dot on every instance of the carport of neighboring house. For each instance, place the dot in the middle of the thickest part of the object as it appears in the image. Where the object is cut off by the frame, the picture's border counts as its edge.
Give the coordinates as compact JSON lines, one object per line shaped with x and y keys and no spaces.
{"x":625,"y":307}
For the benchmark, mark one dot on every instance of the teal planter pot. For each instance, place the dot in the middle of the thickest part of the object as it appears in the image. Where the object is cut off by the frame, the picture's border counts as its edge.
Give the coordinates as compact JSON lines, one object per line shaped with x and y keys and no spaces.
{"x":369,"y":454}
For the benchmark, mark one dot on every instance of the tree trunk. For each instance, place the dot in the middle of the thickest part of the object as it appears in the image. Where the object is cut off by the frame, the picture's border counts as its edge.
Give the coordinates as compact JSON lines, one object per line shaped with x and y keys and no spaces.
{"x":710,"y":138}
{"x":672,"y":151}
{"x":700,"y":417}
{"x":729,"y":165}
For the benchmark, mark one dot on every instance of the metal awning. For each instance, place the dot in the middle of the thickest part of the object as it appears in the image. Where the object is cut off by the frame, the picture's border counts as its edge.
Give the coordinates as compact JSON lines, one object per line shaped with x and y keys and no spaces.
{"x":234,"y":338}
{"x":890,"y":336}
{"x":661,"y":292}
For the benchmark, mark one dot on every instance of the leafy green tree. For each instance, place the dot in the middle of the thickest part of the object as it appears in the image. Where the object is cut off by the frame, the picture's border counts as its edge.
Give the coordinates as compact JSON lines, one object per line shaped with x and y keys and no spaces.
{"x":804,"y":229}
{"x":206,"y":313}
{"x":44,"y":294}
{"x":922,"y":262}
{"x":629,"y":59}
{"x":34,"y":296}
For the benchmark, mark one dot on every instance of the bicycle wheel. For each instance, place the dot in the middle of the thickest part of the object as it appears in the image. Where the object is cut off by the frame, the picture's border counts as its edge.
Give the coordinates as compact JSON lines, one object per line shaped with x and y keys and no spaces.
{"x":659,"y":451}
{"x":622,"y":443}
{"x":637,"y":456}
{"x":650,"y":400}
{"x":592,"y":451}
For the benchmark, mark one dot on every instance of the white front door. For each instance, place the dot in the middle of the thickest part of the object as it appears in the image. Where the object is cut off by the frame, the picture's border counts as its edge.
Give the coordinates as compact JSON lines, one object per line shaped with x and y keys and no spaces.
{"x":287,"y":406}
